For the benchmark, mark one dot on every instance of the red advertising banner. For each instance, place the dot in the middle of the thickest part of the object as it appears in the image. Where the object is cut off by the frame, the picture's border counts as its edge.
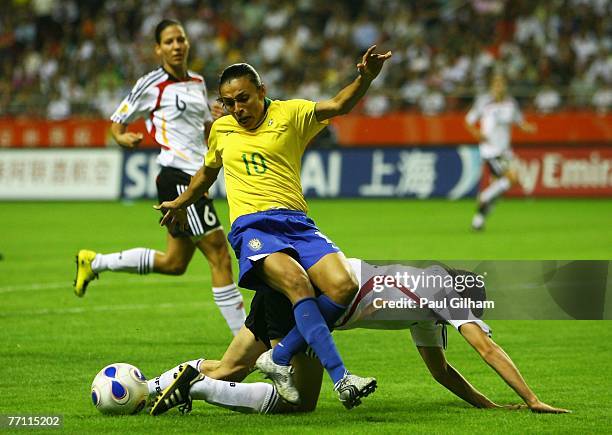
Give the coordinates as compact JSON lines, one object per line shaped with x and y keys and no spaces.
{"x":400,"y":129}
{"x":71,"y":133}
{"x":562,"y":172}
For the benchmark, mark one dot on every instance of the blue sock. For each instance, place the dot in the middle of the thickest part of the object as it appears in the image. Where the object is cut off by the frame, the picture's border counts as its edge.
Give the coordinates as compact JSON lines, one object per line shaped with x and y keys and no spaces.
{"x":330,"y":310}
{"x":294,"y":341}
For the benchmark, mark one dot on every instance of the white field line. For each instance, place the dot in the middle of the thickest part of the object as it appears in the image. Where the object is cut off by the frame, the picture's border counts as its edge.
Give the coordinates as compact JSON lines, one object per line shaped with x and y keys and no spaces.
{"x":101,"y":308}
{"x":68,"y":284}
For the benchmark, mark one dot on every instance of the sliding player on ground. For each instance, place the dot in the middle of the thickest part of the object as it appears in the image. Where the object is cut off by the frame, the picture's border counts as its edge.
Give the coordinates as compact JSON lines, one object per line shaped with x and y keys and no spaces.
{"x":270,"y":318}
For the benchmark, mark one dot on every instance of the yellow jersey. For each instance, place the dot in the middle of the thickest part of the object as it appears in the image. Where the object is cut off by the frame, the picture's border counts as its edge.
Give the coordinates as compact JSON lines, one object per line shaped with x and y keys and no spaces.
{"x":262,"y":166}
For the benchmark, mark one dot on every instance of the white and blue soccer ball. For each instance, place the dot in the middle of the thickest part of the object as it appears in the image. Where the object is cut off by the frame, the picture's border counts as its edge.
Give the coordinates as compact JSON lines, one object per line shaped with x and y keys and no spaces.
{"x":119,"y":388}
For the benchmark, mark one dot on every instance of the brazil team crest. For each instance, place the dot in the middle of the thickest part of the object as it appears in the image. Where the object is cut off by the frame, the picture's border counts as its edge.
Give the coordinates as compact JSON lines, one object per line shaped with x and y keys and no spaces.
{"x":255,"y":244}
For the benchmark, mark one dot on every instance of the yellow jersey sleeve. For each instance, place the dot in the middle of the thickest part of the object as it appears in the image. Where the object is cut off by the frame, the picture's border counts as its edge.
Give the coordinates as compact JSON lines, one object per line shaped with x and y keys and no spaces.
{"x":301,"y":113}
{"x":213,"y":158}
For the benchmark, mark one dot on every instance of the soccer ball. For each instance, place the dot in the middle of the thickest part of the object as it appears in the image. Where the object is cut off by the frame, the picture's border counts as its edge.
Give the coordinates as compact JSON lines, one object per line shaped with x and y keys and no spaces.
{"x":119,"y":388}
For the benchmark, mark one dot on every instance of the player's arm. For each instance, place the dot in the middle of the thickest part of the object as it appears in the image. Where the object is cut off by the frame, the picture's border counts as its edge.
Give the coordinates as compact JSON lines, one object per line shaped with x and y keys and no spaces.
{"x":495,"y":356}
{"x":474,"y":131}
{"x":345,"y":100}
{"x":528,"y":127}
{"x":123,"y":137}
{"x":175,"y":213}
{"x":447,"y":376}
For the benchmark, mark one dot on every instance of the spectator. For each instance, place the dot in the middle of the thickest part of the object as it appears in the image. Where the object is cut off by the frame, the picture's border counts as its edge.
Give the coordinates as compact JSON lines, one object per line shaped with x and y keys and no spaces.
{"x":602,"y":99}
{"x":547,"y":99}
{"x":450,"y":45}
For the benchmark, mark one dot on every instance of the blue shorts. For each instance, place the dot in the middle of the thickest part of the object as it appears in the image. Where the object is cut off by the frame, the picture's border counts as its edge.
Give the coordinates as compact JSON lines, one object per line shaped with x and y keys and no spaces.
{"x":255,"y":236}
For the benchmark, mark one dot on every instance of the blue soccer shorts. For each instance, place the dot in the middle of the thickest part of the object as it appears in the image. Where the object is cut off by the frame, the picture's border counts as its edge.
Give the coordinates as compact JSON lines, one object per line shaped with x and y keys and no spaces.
{"x":255,"y":236}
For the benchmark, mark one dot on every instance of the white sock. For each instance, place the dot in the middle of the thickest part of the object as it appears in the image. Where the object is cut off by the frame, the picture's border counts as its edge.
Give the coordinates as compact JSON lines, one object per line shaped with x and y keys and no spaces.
{"x":495,"y":189}
{"x":137,"y":260}
{"x":257,"y":397}
{"x":230,"y":303}
{"x":163,"y":381}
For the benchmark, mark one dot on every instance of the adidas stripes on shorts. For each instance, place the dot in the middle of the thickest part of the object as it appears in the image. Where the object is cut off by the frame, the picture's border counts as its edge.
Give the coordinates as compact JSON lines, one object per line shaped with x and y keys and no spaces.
{"x":201,"y":215}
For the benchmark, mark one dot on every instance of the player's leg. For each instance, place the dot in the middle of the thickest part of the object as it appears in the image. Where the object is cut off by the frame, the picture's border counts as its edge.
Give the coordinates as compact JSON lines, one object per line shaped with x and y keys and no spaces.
{"x":257,"y":397}
{"x":334,"y":277}
{"x":240,"y":356}
{"x":236,"y":364}
{"x":308,"y":376}
{"x":176,"y":258}
{"x":238,"y":360}
{"x":142,"y":261}
{"x":284,"y":274}
{"x":225,"y":292}
{"x":184,"y":383}
{"x":179,"y":248}
{"x":505,"y":176}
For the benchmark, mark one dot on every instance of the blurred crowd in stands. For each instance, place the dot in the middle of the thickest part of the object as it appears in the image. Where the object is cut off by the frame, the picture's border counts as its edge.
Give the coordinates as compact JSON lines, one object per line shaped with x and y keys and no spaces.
{"x":62,"y":58}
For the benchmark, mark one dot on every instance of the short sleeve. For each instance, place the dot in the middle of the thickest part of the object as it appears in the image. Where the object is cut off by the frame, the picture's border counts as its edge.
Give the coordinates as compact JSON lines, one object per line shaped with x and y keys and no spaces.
{"x":138,"y":104}
{"x":213,"y":158}
{"x":302,"y":115}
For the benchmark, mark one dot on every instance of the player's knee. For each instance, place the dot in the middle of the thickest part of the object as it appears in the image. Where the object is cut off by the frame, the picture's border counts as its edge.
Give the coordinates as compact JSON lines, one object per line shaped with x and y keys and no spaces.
{"x":297,"y":285}
{"x":176,"y":268}
{"x":170,"y":266}
{"x":343,"y":288}
{"x":307,"y":406}
{"x":512,"y":176}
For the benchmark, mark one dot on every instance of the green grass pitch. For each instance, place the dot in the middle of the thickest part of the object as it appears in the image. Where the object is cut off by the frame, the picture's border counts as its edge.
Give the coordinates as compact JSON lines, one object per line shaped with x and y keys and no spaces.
{"x":52,"y":343}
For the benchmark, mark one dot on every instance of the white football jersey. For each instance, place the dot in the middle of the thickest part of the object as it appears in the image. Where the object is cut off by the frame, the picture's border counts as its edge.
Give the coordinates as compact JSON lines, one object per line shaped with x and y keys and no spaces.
{"x":389,"y":307}
{"x":175,"y":113}
{"x":496,"y":119}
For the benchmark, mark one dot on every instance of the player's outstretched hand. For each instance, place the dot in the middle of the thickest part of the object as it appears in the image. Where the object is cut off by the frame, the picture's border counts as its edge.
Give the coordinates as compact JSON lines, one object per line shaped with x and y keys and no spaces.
{"x":543,"y":408}
{"x":173,"y":215}
{"x":371,"y":63}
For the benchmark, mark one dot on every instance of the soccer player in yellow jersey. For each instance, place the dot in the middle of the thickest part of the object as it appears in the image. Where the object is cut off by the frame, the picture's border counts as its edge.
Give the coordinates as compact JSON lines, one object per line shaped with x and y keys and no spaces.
{"x":278,"y":247}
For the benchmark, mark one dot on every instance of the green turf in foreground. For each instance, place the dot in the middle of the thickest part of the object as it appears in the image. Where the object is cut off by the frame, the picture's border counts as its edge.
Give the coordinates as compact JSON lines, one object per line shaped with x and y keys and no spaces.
{"x":53,"y":343}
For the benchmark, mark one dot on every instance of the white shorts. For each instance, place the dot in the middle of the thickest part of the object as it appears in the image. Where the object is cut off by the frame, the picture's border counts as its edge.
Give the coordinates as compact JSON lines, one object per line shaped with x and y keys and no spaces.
{"x":429,"y":333}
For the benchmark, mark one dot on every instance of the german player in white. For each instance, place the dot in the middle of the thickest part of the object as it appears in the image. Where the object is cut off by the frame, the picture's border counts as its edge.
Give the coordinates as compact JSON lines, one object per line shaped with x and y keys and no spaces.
{"x":173,"y":101}
{"x":373,"y":308}
{"x":495,"y":113}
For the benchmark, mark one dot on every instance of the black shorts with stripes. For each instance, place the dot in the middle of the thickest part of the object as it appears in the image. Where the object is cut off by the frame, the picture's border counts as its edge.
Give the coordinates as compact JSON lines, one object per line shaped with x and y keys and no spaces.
{"x":201,"y":215}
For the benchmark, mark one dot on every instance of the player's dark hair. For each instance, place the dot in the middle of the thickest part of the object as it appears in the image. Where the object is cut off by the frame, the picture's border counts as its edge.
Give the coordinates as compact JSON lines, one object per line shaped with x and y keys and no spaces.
{"x":240,"y":70}
{"x":161,"y":26}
